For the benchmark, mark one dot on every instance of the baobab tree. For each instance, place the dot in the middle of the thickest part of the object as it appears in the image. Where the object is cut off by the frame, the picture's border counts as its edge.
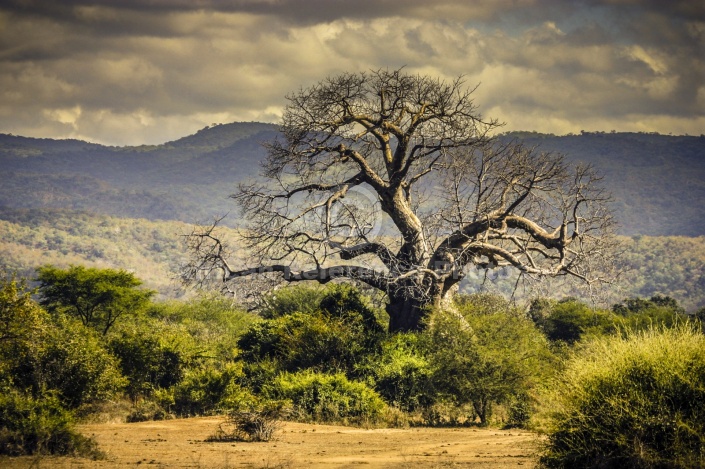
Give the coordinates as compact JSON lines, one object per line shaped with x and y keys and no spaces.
{"x":395,"y":180}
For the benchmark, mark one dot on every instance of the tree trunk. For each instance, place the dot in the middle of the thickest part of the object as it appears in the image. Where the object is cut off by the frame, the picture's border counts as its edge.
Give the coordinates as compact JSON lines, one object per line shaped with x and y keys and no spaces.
{"x":407,"y":314}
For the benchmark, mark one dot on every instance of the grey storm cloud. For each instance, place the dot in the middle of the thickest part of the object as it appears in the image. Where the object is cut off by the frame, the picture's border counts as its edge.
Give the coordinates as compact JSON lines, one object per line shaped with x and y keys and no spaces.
{"x":131,"y":72}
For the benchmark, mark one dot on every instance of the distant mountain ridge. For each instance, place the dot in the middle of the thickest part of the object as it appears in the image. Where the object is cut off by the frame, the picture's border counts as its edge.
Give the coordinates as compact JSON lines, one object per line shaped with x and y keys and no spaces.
{"x":658,"y":181}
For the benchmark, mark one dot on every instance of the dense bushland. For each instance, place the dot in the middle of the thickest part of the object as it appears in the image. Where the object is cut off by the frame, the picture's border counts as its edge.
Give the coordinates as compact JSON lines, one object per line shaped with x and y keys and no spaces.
{"x":321,"y":354}
{"x":631,"y":401}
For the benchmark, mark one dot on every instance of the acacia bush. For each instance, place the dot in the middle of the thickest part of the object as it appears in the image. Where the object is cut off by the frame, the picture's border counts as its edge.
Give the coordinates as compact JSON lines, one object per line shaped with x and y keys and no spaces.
{"x":211,"y":322}
{"x":640,"y":314}
{"x":292,"y":299}
{"x":69,"y":359}
{"x":320,"y":397}
{"x":76,"y":363}
{"x":570,"y":320}
{"x":334,"y":336}
{"x":401,"y":373}
{"x":632,"y":401}
{"x":147,"y":359}
{"x":485,"y":353}
{"x":39,"y":426}
{"x":210,"y":389}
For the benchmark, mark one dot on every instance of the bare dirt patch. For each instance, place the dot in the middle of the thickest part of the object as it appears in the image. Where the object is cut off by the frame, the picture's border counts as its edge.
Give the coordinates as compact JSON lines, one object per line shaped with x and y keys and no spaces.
{"x":181,"y":443}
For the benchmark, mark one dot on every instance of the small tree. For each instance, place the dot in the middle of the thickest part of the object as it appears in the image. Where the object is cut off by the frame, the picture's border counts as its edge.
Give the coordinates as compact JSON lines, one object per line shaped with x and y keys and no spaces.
{"x":359,"y":151}
{"x":98,"y":297}
{"x":20,"y":316}
{"x":485,"y":354}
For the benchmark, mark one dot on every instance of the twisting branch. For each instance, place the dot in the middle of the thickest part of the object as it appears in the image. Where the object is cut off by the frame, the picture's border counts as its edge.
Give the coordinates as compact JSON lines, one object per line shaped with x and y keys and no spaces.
{"x":400,"y":174}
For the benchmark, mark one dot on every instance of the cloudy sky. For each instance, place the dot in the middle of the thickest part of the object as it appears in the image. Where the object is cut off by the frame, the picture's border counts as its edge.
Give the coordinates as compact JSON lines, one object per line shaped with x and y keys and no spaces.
{"x":148,"y":71}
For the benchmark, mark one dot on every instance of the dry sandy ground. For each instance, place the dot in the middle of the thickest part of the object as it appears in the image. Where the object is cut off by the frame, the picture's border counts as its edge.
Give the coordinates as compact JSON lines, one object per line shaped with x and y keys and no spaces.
{"x":180,"y":443}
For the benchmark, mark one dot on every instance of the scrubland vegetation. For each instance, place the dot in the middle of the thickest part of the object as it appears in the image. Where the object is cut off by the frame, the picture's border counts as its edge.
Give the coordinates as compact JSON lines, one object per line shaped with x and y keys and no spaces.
{"x":618,"y":387}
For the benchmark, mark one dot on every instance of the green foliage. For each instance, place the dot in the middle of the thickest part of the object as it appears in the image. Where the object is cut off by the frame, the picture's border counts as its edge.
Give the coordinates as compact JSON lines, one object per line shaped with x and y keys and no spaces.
{"x":346,"y":302}
{"x":62,"y":357}
{"x":207,"y":390}
{"x":213,"y":322}
{"x":641,"y":314}
{"x":484,"y":353}
{"x":299,"y":341}
{"x":635,"y":401}
{"x":639,"y":305}
{"x":20,"y":317}
{"x":39,"y":426}
{"x":333,"y":337}
{"x":570,"y":320}
{"x":327,"y":398}
{"x":73,"y":361}
{"x":98,"y":297}
{"x":401,"y":372}
{"x":292,"y":299}
{"x":147,"y":360}
{"x":23,"y":324}
{"x":156,"y":350}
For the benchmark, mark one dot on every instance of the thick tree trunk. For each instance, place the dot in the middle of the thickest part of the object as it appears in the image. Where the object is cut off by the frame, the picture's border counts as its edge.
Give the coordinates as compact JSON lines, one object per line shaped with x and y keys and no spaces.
{"x":408,"y":314}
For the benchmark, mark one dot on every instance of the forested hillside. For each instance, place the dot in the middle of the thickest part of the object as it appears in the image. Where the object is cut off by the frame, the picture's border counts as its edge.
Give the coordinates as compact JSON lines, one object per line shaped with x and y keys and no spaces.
{"x":153,"y":250}
{"x":189,"y":179}
{"x":658,"y":181}
{"x":31,"y":238}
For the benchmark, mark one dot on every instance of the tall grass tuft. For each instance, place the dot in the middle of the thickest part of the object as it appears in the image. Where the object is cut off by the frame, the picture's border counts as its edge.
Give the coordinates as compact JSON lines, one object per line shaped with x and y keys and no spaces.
{"x":634,"y":401}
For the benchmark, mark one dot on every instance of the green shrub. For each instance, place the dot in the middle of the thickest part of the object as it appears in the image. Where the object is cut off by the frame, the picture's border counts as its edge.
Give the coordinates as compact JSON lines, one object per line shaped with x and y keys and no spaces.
{"x":640,"y":314}
{"x":636,"y":401}
{"x":146,"y":360}
{"x":520,"y":410}
{"x":259,"y":374}
{"x":38,"y":355}
{"x":484,"y":354}
{"x":316,"y":340}
{"x":39,"y":426}
{"x":401,"y":373}
{"x":213,"y":321}
{"x":320,"y":397}
{"x":346,"y":302}
{"x":21,"y":318}
{"x":292,"y":299}
{"x":208,"y":390}
{"x":570,"y":320}
{"x":71,"y":360}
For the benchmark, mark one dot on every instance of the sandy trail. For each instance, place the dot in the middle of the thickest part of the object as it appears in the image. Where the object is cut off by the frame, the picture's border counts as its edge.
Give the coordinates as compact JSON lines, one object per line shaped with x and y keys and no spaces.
{"x":180,"y":444}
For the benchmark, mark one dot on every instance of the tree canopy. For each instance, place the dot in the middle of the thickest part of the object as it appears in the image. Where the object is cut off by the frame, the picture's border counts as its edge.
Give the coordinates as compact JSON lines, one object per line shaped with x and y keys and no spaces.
{"x":98,"y":297}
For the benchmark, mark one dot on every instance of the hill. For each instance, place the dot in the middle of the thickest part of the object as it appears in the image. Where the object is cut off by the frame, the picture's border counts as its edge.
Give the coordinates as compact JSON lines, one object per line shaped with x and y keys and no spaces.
{"x":658,"y":181}
{"x":153,"y":250}
{"x":73,"y":202}
{"x":188,"y":179}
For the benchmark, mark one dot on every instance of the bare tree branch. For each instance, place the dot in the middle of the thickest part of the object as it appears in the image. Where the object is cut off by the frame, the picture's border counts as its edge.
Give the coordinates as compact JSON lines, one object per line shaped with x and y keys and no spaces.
{"x":401,"y":174}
